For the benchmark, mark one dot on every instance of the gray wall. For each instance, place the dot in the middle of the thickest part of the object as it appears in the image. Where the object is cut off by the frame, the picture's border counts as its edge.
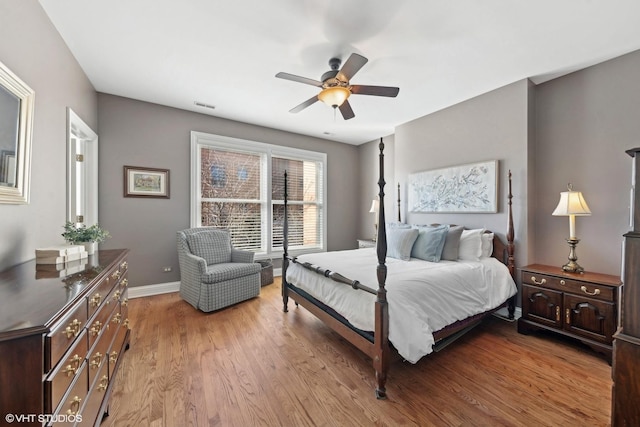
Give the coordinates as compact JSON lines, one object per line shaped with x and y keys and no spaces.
{"x":571,"y":129}
{"x":491,"y":126}
{"x":143,"y":134}
{"x":32,"y":48}
{"x":369,"y":172}
{"x":584,"y":123}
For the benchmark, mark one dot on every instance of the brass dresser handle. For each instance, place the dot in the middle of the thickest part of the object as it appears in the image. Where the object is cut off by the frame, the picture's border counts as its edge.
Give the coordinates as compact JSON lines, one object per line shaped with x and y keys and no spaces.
{"x":541,"y":282}
{"x":595,"y":292}
{"x":73,"y":329}
{"x":74,"y":406}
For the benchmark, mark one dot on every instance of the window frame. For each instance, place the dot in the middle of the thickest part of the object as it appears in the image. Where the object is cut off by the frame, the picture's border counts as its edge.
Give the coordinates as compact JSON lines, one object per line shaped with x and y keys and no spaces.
{"x":267,"y":151}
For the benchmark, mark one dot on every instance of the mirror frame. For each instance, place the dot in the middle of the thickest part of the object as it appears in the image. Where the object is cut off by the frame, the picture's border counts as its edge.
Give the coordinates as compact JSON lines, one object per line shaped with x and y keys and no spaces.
{"x":19,"y":194}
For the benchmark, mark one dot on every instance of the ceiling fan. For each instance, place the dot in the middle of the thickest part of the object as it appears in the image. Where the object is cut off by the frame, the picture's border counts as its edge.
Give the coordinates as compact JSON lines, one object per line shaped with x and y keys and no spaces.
{"x":336,"y":87}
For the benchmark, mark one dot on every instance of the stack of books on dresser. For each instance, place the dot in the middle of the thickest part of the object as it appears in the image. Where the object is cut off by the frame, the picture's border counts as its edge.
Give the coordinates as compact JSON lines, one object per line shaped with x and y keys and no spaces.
{"x":60,"y":261}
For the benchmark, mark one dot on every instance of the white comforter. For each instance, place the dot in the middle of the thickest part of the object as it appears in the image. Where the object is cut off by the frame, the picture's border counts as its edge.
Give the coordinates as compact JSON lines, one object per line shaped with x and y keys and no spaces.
{"x":423,"y":296}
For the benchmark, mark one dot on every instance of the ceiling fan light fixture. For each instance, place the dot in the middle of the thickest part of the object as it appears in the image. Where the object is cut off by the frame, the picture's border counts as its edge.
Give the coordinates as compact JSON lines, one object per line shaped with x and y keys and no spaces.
{"x":334,"y":96}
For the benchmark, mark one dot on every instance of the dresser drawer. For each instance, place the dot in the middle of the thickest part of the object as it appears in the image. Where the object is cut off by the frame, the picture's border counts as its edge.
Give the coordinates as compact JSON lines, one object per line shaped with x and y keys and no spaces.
{"x":74,"y":399}
{"x":95,"y":397}
{"x":98,"y":353}
{"x":592,"y":290}
{"x":64,"y":333}
{"x":100,"y":295}
{"x":65,"y":372}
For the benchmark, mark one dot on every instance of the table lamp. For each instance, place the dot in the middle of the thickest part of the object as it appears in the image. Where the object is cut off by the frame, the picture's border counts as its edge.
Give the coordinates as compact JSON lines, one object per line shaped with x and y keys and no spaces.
{"x":572,"y":204}
{"x":374,"y":210}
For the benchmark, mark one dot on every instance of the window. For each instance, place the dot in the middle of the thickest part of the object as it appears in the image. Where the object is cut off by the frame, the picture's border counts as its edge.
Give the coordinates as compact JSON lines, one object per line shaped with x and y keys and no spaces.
{"x":239,"y":185}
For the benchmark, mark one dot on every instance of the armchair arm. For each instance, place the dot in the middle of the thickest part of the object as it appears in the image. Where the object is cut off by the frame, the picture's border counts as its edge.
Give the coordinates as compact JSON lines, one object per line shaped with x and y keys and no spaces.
{"x":196,"y":263}
{"x":239,"y":255}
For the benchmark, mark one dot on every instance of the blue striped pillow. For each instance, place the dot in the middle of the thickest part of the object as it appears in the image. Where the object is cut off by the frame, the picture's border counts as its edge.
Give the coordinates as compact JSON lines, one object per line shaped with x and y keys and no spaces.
{"x":430,"y":242}
{"x":400,"y":241}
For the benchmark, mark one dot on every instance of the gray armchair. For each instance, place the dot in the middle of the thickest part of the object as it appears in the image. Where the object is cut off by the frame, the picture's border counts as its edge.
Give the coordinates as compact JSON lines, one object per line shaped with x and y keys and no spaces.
{"x":213,"y":274}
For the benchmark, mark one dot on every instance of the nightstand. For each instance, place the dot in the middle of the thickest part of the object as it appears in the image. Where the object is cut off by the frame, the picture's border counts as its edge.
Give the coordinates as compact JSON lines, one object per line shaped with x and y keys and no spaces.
{"x":582,"y":306}
{"x":366,"y":243}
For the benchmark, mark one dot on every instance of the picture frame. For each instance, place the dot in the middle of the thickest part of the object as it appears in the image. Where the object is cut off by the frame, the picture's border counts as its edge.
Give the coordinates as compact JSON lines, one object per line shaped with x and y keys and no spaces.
{"x":468,"y":188}
{"x":146,"y":182}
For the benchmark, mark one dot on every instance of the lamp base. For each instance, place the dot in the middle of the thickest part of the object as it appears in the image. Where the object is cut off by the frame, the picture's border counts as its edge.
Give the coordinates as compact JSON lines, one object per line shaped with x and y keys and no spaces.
{"x":572,"y":266}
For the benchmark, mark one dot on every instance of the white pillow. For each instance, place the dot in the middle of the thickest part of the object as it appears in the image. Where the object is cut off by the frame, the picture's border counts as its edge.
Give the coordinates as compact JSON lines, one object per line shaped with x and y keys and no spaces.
{"x":470,"y":248}
{"x":487,"y":245}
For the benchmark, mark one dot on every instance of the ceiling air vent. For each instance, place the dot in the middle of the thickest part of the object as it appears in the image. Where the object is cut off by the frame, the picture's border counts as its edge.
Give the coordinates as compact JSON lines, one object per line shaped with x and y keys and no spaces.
{"x":202,"y":104}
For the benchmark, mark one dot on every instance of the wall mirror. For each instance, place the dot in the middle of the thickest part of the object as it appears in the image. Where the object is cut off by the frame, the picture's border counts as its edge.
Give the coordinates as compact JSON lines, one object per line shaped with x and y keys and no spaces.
{"x":82,"y":171}
{"x":16,"y":123}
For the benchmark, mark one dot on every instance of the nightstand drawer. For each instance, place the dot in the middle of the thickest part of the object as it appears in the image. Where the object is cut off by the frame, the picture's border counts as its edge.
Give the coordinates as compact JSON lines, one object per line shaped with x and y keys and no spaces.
{"x":592,"y":290}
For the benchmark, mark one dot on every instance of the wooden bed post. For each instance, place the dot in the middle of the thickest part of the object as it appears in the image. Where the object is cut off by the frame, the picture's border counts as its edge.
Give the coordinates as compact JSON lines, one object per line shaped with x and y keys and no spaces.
{"x":511,"y":265}
{"x":399,"y":220}
{"x":381,"y":337}
{"x":285,"y":247}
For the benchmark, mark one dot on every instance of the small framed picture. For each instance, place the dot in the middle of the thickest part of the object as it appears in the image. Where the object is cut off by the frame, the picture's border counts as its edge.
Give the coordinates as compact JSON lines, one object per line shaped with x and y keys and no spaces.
{"x":146,"y":182}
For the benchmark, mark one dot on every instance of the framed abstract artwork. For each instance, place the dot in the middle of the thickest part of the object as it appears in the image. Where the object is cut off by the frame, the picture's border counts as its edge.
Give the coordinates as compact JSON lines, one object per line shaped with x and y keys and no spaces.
{"x":470,"y":188}
{"x":146,"y":182}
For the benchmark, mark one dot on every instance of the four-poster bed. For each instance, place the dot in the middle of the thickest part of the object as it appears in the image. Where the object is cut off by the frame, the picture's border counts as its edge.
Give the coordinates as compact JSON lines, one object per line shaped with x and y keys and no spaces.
{"x":372,"y":335}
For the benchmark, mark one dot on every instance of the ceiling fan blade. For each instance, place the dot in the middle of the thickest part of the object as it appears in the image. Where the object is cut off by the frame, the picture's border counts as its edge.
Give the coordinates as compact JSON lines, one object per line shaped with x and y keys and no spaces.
{"x":352,"y":66}
{"x":375,"y":90}
{"x":304,"y":105}
{"x":347,"y":112}
{"x":299,"y":79}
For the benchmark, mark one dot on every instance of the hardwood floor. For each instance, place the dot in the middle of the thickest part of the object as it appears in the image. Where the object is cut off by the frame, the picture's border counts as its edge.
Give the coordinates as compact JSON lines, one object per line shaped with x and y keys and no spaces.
{"x":253,"y":365}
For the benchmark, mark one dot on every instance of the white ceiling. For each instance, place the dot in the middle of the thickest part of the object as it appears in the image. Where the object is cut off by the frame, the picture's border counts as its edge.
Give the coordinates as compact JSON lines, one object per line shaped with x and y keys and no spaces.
{"x":226,"y":53}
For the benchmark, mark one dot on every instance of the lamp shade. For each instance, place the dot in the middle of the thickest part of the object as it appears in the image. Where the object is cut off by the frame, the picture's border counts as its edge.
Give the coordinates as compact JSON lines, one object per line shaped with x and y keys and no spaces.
{"x":374,"y":206}
{"x":572,"y":203}
{"x":334,"y":96}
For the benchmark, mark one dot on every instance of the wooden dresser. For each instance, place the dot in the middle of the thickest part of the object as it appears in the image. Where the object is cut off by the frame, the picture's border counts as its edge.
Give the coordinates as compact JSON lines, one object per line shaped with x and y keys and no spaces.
{"x":61,"y":340}
{"x":579,"y":305}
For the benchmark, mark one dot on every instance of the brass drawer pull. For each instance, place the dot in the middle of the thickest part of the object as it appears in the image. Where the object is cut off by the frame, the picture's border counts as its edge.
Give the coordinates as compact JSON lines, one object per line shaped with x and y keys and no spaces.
{"x":125,"y":302}
{"x":74,"y":406}
{"x":116,"y":295}
{"x":95,"y":330}
{"x":541,"y":282}
{"x":117,"y":318}
{"x":104,"y":382}
{"x":96,"y":360}
{"x":73,"y":329}
{"x":557,"y":313}
{"x":96,"y":300}
{"x":567,"y":317}
{"x":595,"y":292}
{"x":72,"y":367}
{"x":113,"y":357}
{"x":124,"y":265}
{"x":126,"y":323}
{"x":116,"y":274}
{"x":125,"y":282}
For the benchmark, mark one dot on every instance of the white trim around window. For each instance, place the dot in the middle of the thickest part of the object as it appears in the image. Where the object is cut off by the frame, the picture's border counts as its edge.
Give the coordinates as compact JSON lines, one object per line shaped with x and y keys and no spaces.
{"x":267,"y":152}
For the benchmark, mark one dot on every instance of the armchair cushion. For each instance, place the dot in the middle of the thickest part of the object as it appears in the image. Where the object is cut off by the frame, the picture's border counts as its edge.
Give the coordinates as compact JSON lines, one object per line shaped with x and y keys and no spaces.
{"x":229,"y":271}
{"x":212,"y":245}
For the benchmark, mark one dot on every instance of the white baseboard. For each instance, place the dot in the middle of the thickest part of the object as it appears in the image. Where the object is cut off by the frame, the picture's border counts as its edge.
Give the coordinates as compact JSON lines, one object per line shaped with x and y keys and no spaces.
{"x":150,"y":290}
{"x":166,"y":288}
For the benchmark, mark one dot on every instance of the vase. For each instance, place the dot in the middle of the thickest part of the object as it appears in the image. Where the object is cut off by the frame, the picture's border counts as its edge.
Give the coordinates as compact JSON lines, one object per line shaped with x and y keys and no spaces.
{"x":90,"y":247}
